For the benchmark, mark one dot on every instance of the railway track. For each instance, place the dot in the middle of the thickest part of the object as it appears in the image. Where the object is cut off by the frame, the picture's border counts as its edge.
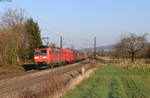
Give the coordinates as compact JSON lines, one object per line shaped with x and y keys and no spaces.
{"x":26,"y":79}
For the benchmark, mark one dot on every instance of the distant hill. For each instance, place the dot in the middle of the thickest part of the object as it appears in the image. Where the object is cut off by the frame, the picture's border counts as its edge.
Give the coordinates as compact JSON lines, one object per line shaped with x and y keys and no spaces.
{"x":105,"y":48}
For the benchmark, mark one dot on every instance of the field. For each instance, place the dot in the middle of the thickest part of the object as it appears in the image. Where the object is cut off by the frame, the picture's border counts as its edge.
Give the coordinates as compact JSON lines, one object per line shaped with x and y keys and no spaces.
{"x":110,"y":81}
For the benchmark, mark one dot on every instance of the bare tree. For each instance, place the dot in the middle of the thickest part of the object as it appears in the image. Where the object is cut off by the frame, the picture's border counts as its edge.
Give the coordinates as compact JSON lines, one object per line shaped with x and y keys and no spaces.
{"x":52,"y":45}
{"x":131,"y":45}
{"x":14,"y":34}
{"x":12,"y":17}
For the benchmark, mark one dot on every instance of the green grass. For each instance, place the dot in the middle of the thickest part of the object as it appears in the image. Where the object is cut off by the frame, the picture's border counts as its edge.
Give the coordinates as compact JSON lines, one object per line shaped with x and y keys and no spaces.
{"x":1,"y":73}
{"x":17,"y":68}
{"x":9,"y":69}
{"x":115,"y":82}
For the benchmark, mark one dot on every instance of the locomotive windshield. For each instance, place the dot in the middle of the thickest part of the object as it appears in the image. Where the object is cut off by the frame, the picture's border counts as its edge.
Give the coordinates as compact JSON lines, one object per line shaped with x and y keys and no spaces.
{"x":40,"y":52}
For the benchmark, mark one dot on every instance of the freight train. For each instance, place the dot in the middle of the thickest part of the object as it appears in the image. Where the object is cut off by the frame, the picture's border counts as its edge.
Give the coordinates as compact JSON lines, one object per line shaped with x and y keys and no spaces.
{"x":46,"y":57}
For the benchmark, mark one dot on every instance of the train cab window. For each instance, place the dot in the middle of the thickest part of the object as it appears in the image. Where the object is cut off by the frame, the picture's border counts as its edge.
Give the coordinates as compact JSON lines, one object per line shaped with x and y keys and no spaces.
{"x":40,"y":52}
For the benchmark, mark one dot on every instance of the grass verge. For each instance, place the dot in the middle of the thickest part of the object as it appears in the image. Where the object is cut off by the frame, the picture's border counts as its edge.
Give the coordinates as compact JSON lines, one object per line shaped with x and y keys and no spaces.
{"x":115,"y":82}
{"x":8,"y":69}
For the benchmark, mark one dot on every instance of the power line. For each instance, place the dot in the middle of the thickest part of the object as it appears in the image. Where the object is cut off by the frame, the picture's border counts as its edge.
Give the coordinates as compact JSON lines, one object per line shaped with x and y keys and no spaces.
{"x":46,"y":40}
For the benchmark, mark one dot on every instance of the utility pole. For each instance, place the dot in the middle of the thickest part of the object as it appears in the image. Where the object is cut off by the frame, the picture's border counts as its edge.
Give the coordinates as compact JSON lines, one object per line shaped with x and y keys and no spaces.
{"x":94,"y":47}
{"x":60,"y":41}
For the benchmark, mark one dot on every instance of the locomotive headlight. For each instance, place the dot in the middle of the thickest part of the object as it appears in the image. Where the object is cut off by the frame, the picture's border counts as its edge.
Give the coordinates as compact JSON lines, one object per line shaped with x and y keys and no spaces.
{"x":36,"y":57}
{"x":44,"y":57}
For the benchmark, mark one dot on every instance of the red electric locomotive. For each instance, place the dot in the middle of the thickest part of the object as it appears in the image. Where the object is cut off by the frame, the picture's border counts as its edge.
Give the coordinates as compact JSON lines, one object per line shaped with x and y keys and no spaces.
{"x":49,"y":57}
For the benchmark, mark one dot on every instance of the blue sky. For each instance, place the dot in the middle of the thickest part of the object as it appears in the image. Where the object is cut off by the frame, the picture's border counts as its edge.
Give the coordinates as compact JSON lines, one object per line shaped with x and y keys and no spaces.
{"x":78,"y":21}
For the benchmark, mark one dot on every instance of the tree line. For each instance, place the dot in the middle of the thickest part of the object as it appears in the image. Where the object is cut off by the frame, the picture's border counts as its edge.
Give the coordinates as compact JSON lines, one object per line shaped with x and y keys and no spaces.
{"x":19,"y":35}
{"x":131,"y":46}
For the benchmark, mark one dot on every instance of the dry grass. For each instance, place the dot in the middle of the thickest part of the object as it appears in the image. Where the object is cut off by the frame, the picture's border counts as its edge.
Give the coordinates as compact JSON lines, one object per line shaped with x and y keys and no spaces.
{"x":50,"y":85}
{"x":55,"y":87}
{"x":125,"y":62}
{"x":49,"y":88}
{"x":10,"y":69}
